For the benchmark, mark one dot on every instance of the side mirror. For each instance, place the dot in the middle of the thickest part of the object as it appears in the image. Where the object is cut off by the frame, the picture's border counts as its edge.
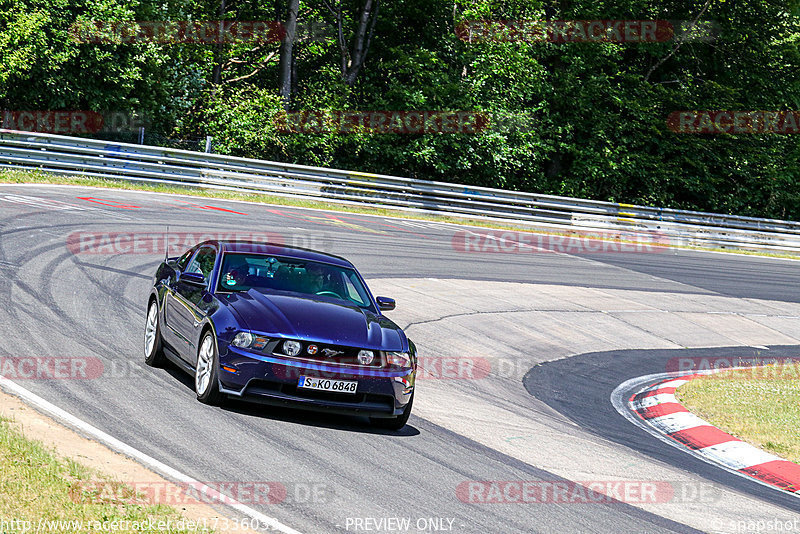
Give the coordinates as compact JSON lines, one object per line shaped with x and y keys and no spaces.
{"x":193,"y":279}
{"x":385,"y":303}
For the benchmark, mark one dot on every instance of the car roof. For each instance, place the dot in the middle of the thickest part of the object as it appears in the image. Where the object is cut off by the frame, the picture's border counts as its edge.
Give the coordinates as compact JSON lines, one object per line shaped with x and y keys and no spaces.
{"x":274,"y":249}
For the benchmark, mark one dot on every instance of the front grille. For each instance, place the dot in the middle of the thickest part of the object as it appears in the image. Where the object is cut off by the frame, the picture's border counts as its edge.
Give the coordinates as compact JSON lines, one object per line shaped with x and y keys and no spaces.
{"x":326,"y":353}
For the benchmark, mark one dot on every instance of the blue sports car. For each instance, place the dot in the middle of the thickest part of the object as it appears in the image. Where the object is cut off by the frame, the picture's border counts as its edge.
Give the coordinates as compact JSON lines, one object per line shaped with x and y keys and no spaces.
{"x":282,"y":326}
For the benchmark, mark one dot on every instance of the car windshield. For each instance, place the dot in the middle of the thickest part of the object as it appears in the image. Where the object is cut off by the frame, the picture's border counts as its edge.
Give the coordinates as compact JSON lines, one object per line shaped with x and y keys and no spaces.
{"x":242,"y":272}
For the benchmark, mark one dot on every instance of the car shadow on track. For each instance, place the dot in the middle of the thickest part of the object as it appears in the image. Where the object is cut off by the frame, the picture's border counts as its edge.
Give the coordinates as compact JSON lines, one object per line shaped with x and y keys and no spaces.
{"x":350,"y":423}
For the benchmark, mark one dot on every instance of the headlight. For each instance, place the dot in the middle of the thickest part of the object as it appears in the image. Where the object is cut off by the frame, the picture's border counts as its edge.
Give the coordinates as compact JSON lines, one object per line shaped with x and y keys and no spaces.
{"x":243,"y":340}
{"x":292,"y":348}
{"x":401,"y":359}
{"x":365,"y":357}
{"x":246,"y":340}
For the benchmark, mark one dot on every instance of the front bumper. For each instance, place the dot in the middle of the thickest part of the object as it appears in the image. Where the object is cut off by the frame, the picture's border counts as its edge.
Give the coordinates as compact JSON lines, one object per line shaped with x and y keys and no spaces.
{"x":273,"y":380}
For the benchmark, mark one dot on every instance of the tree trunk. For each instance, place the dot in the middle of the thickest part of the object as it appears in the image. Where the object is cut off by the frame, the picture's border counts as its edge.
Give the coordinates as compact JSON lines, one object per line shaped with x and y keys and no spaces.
{"x":216,"y":75}
{"x":287,"y":50}
{"x":352,"y":61}
{"x":361,"y":42}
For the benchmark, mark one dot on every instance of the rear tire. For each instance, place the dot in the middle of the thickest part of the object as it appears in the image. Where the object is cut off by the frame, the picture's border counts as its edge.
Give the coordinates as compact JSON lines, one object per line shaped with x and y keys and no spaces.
{"x":394,"y":423}
{"x":153,"y":349}
{"x":206,"y":373}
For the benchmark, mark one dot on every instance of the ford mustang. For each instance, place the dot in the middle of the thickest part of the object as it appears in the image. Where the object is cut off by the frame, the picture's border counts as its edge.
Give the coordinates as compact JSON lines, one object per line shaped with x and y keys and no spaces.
{"x":281,"y":326}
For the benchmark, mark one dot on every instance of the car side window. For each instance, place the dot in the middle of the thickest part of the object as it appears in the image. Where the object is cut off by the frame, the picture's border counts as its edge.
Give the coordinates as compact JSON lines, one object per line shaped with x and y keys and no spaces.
{"x":352,"y":291}
{"x":183,"y":260}
{"x":203,"y":262}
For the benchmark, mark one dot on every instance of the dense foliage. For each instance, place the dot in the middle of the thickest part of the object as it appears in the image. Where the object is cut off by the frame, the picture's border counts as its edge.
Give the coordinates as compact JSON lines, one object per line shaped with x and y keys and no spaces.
{"x":585,"y":119}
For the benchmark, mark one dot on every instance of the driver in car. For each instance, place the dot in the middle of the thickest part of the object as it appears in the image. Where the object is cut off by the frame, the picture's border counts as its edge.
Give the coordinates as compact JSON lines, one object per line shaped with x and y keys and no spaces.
{"x":236,"y":272}
{"x":317,"y":279}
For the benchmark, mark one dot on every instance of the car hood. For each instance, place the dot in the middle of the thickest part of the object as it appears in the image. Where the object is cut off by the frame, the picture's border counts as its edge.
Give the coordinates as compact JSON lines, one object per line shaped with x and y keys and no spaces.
{"x":304,"y":318}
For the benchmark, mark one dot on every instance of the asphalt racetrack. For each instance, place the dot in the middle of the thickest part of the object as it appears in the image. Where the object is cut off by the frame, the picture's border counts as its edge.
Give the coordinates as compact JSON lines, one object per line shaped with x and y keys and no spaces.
{"x":521,"y":351}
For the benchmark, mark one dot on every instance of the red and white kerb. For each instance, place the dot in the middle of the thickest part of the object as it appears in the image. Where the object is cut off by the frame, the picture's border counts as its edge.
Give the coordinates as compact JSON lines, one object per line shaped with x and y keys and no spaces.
{"x":657,"y":405}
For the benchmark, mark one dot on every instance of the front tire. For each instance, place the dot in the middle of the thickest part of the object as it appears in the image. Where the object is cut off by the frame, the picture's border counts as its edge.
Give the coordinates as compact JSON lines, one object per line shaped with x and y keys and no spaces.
{"x":153,"y":349}
{"x":394,"y":423}
{"x":206,"y":374}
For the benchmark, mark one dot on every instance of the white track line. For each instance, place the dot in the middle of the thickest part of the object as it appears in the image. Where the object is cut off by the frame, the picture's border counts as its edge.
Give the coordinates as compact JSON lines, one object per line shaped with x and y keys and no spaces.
{"x":127,"y":450}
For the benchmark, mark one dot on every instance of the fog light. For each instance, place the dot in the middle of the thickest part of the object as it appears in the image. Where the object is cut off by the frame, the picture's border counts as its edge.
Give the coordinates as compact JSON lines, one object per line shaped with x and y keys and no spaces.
{"x":408,"y":387}
{"x":365,"y":357}
{"x":243,"y":340}
{"x":292,"y":348}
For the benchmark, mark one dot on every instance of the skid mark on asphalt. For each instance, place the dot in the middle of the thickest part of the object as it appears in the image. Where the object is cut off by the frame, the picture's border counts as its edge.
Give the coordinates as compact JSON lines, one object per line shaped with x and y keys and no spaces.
{"x":192,"y":206}
{"x":181,"y":204}
{"x":57,"y":205}
{"x":42,"y":203}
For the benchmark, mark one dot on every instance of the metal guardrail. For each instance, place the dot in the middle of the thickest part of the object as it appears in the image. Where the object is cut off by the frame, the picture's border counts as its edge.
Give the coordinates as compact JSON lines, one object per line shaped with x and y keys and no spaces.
{"x":141,"y":163}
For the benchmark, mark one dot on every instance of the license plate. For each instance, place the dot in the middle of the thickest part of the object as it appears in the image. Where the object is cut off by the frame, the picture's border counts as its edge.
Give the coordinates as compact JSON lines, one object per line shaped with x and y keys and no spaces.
{"x":327,"y":384}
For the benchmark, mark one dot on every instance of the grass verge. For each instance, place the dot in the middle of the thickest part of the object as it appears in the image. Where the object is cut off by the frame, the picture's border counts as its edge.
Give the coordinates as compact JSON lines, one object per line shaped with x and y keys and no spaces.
{"x":41,"y":492}
{"x":757,"y":405}
{"x":36,"y":177}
